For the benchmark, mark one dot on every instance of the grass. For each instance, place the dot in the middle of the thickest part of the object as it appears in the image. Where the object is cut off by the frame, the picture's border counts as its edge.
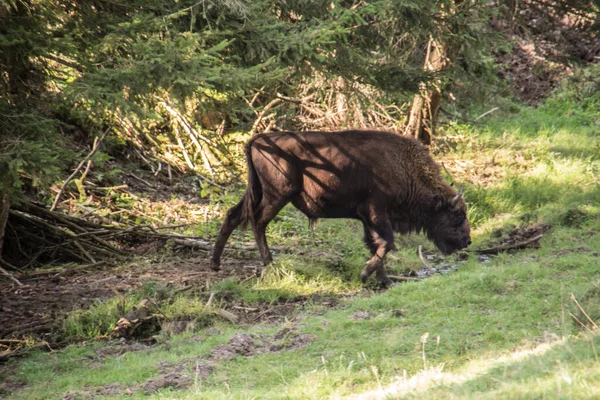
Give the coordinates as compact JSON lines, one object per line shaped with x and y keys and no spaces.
{"x":501,"y":329}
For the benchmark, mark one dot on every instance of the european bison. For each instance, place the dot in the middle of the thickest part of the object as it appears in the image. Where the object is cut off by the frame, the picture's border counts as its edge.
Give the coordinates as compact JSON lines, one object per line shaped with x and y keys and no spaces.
{"x":387,"y":181}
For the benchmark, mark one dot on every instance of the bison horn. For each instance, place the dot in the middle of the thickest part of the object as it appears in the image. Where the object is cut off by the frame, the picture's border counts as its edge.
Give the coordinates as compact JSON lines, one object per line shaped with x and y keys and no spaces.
{"x":454,"y":201}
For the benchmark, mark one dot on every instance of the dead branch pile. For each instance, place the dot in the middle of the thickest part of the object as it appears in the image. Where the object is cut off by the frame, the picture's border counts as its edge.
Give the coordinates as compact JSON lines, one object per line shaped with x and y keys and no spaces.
{"x":35,"y":234}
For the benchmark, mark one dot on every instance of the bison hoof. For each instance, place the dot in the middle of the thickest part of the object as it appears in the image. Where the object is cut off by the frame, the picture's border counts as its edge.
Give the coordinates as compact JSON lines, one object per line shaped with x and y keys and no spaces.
{"x":365,"y":274}
{"x":215,"y":267}
{"x":385,"y":283}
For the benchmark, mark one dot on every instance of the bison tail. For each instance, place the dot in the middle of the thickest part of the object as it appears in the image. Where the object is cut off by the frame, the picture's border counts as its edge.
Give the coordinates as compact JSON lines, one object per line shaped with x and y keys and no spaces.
{"x":253,"y":195}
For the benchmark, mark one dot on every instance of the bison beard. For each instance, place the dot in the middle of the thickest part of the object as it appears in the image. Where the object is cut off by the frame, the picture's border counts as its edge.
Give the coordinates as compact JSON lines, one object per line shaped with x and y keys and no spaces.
{"x":387,"y":181}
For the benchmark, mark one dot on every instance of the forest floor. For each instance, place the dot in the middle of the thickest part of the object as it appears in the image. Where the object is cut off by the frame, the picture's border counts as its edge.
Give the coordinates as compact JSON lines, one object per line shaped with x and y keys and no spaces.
{"x":520,"y":323}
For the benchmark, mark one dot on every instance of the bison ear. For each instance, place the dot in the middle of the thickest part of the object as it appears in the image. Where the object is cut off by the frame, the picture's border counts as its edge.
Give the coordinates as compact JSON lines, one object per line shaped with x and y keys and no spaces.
{"x":438,"y":202}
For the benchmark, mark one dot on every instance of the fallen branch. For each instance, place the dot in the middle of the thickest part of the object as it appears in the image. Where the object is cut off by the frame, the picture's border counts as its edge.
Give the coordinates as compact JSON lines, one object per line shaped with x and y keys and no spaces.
{"x":59,"y":271}
{"x":29,"y":327}
{"x":205,"y":245}
{"x":81,"y":164}
{"x":402,"y":278}
{"x":22,"y":351}
{"x":499,"y":249}
{"x":9,"y":276}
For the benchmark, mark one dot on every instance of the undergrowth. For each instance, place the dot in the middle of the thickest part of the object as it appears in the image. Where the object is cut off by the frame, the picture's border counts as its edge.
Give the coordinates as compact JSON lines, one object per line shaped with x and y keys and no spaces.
{"x":501,"y":327}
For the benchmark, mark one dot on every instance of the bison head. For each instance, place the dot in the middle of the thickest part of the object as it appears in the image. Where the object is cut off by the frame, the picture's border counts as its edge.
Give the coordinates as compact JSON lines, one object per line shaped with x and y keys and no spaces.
{"x":448,"y":226}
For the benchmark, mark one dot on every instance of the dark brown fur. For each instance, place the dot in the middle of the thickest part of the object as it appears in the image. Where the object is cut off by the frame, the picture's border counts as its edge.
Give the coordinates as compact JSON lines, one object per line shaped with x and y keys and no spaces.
{"x":387,"y":181}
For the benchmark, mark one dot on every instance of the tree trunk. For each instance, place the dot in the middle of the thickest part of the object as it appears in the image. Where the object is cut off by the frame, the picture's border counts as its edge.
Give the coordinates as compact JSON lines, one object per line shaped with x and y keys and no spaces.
{"x":423,"y":115}
{"x":4,"y":206}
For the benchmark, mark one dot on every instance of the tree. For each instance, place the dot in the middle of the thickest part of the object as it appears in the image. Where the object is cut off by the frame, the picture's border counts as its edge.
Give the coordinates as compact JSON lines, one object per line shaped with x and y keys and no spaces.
{"x":174,"y":78}
{"x":454,"y":31}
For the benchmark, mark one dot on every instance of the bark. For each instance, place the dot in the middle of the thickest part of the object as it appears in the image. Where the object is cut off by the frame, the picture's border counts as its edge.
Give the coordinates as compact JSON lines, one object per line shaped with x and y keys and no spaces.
{"x":423,"y":115}
{"x":4,"y":207}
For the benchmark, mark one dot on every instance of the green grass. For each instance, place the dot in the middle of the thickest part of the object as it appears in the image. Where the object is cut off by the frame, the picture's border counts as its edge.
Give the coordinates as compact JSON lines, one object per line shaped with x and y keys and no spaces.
{"x":500,"y":329}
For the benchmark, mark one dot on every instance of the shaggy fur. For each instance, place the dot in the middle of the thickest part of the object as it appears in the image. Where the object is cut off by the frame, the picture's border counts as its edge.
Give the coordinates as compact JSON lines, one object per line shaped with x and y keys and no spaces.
{"x":387,"y":181}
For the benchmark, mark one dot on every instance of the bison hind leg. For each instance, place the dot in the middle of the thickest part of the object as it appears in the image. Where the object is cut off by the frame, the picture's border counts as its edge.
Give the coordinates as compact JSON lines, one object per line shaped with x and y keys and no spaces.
{"x":232,"y":220}
{"x":266,"y":211}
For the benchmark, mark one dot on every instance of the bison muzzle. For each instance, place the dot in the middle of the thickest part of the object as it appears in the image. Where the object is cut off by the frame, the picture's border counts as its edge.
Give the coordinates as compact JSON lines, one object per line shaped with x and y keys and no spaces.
{"x":387,"y":181}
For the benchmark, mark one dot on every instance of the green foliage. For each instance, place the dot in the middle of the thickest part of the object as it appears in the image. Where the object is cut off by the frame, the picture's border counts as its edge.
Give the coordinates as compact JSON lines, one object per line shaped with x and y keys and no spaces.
{"x":31,"y":150}
{"x":165,"y":74}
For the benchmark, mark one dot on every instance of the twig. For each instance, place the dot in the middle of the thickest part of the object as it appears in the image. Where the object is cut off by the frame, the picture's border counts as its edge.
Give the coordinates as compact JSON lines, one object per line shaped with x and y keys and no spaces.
{"x":261,"y":314}
{"x":9,"y":276}
{"x":228,"y":315}
{"x":402,"y":278}
{"x":22,"y":351}
{"x":423,"y":258}
{"x":448,"y":173}
{"x":572,"y":296}
{"x":193,"y":134}
{"x":247,"y":309}
{"x":118,"y":187}
{"x":141,"y":180}
{"x":9,"y":341}
{"x":261,"y":115}
{"x":210,"y":299}
{"x":10,"y":266}
{"x":486,"y":113}
{"x":84,"y":251}
{"x":499,"y":249}
{"x":81,"y":164}
{"x":579,"y":322}
{"x":207,"y":179}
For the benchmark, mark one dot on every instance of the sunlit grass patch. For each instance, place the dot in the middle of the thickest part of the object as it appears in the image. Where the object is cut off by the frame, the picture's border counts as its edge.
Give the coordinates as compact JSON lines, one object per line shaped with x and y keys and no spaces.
{"x":165,"y":302}
{"x":288,"y":278}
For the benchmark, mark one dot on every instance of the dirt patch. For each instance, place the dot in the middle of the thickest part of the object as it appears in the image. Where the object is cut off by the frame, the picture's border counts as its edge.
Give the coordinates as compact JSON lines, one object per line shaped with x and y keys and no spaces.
{"x":9,"y":386}
{"x":518,"y":236}
{"x":183,"y":374}
{"x":360,"y":315}
{"x":546,"y":43}
{"x":35,"y":308}
{"x":172,"y":379}
{"x":119,"y":348}
{"x":242,"y":344}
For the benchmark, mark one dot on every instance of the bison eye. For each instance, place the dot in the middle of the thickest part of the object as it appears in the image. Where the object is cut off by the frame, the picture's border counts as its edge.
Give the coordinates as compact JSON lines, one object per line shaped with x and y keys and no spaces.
{"x":459,"y":219}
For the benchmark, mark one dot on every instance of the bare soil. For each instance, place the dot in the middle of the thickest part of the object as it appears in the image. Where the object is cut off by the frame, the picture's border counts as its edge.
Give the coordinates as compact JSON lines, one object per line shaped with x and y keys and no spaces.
{"x":35,"y":308}
{"x":190,"y":370}
{"x":546,"y":46}
{"x":519,"y":235}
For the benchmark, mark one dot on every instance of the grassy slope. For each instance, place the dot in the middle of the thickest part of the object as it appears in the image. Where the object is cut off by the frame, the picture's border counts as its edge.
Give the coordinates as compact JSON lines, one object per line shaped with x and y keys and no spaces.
{"x":500,"y":329}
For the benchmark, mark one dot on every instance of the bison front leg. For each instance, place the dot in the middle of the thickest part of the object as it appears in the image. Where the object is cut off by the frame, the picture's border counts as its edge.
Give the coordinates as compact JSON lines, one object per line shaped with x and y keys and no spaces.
{"x":380,"y":240}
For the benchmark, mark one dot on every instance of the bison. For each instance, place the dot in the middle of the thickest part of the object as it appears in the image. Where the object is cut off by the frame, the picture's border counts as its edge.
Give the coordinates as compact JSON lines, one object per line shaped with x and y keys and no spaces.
{"x":387,"y":181}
